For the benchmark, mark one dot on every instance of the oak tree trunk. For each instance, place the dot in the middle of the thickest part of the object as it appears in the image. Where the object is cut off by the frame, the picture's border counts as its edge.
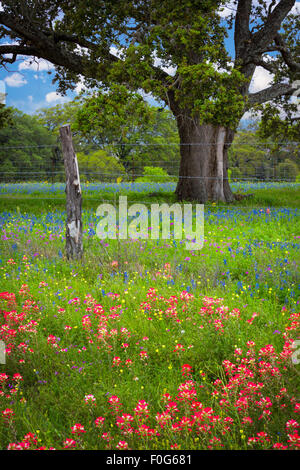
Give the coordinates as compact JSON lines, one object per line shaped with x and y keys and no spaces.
{"x":74,"y":247}
{"x":203,"y":167}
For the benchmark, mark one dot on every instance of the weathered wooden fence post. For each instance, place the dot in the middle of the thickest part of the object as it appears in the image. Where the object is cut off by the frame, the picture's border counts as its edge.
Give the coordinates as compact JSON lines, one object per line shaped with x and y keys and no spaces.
{"x":74,"y":247}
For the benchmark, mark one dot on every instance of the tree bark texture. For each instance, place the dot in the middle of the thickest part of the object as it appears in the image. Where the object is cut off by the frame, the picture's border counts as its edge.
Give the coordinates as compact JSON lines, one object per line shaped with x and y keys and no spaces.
{"x":203,"y":166}
{"x":74,"y":246}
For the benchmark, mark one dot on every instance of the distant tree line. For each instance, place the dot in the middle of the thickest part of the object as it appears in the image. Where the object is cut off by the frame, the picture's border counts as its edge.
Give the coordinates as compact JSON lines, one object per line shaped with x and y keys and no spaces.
{"x":118,"y":133}
{"x":251,"y":156}
{"x":27,"y":149}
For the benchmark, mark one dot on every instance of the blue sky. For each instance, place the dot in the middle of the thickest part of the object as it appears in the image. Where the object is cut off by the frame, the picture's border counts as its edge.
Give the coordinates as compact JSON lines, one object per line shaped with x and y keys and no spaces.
{"x":29,"y":85}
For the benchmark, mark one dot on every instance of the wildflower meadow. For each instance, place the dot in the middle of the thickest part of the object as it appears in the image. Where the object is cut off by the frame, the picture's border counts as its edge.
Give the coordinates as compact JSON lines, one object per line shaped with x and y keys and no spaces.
{"x":143,"y":344}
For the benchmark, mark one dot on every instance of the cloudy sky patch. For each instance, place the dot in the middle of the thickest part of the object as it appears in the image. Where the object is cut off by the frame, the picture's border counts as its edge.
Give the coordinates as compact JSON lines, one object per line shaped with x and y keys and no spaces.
{"x":15,"y":80}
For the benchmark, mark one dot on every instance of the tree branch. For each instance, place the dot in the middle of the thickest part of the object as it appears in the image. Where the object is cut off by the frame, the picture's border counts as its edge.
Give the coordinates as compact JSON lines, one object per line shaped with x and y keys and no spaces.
{"x":15,"y":50}
{"x":51,"y":45}
{"x":270,"y":93}
{"x":241,"y":30}
{"x":271,"y":67}
{"x":285,"y":53}
{"x":264,"y":36}
{"x":250,"y":47}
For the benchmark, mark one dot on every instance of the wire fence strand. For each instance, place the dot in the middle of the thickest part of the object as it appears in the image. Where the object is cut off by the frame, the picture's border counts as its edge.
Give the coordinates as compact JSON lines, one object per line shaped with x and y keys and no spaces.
{"x":153,"y":144}
{"x":41,"y":166}
{"x":159,"y":178}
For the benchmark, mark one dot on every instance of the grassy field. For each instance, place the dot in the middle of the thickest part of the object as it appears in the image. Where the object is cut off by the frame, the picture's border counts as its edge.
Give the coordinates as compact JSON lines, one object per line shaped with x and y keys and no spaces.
{"x":143,"y":344}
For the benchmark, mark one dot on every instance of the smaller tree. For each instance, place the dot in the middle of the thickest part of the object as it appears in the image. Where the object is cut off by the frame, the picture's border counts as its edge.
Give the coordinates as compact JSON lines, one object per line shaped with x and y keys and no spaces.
{"x":98,"y":165}
{"x":117,"y":118}
{"x":55,"y":117}
{"x":287,"y":170}
{"x":280,"y":124}
{"x":121,"y":124}
{"x":248,"y":156}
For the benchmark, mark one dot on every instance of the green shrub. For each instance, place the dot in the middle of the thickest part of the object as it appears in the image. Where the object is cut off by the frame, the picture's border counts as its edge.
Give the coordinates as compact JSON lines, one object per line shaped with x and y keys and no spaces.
{"x":154,"y":174}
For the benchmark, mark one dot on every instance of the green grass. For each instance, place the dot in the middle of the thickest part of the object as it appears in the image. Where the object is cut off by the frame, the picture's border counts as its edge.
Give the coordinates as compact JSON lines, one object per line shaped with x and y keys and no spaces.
{"x":279,"y":197}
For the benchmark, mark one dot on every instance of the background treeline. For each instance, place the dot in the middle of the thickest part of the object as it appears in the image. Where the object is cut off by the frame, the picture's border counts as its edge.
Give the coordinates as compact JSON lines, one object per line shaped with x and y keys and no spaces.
{"x":124,"y":136}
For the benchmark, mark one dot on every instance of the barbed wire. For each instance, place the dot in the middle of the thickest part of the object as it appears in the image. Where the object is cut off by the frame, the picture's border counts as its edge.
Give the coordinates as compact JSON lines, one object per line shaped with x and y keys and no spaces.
{"x":129,"y":168}
{"x":53,"y":167}
{"x":26,"y":146}
{"x":142,"y":175}
{"x":147,"y":144}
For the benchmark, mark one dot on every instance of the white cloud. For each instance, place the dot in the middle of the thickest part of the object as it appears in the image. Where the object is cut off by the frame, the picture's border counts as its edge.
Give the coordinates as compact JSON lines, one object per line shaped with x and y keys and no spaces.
{"x":261,"y":79}
{"x":80,"y":86}
{"x":296,"y":8}
{"x":37,"y":65}
{"x":15,"y":80}
{"x":226,"y":10}
{"x":54,"y":97}
{"x":83,"y":51}
{"x":116,"y":52}
{"x":169,"y":69}
{"x":41,"y":76}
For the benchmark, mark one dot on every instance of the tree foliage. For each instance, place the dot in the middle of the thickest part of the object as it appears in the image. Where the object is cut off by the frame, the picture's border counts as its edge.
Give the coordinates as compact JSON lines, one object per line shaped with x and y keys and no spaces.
{"x":174,"y":50}
{"x":280,"y":123}
{"x":5,"y":116}
{"x":26,"y":149}
{"x":99,"y":165}
{"x":257,"y":156}
{"x":117,"y":118}
{"x":122,"y":124}
{"x":152,"y":174}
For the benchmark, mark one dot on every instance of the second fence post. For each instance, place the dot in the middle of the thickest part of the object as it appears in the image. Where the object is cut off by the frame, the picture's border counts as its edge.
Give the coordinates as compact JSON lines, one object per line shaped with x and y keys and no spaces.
{"x":74,"y":247}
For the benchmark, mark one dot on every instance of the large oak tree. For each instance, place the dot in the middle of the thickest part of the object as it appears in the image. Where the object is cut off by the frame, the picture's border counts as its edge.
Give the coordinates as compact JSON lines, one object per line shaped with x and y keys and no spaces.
{"x":174,"y":50}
